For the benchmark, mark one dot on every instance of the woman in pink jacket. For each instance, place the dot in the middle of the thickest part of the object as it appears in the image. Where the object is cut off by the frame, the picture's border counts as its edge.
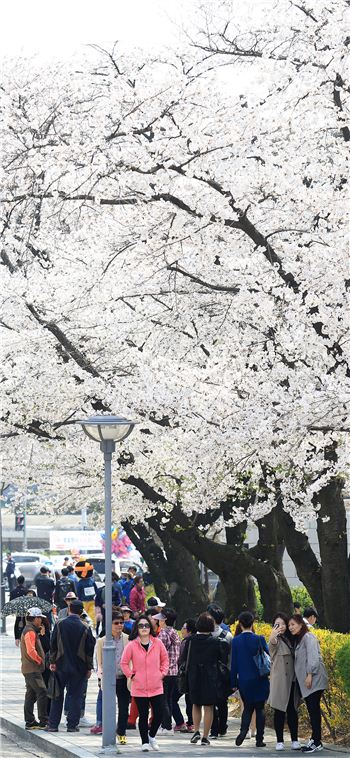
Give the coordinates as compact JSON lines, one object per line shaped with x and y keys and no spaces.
{"x":146,"y":661}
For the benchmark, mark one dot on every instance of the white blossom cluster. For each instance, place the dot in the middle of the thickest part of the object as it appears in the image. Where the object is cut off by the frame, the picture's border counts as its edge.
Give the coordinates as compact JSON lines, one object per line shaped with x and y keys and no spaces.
{"x":174,"y":249}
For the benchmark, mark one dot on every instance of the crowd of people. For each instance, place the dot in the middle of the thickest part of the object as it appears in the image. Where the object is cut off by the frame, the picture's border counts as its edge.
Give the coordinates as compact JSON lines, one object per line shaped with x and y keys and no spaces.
{"x":155,"y":665}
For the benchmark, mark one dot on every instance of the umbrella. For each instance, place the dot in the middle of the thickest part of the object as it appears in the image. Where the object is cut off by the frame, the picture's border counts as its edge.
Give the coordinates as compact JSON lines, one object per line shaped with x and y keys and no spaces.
{"x":20,"y":605}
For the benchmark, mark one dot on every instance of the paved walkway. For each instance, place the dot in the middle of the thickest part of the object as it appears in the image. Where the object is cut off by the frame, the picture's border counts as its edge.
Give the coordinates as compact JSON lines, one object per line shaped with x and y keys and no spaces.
{"x":83,"y":744}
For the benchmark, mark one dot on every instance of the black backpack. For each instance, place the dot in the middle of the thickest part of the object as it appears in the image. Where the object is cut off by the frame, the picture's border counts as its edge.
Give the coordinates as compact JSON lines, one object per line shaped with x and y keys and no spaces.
{"x":63,"y":586}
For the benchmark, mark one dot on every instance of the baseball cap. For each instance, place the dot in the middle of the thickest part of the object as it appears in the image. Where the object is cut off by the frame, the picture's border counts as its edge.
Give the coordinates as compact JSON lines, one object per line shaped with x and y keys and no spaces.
{"x":35,"y":612}
{"x":125,"y":608}
{"x":155,"y":602}
{"x":160,"y":617}
{"x":70,"y":596}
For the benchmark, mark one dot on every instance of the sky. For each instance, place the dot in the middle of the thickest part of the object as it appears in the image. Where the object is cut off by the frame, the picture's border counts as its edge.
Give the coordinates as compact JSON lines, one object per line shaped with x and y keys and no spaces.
{"x":58,"y":29}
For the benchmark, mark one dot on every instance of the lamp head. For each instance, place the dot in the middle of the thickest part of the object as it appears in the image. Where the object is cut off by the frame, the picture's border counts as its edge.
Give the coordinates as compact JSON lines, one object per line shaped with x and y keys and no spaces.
{"x":107,"y":428}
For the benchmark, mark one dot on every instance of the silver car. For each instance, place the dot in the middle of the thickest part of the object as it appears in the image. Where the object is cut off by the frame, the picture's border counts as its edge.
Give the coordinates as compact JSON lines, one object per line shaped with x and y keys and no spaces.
{"x":29,"y":564}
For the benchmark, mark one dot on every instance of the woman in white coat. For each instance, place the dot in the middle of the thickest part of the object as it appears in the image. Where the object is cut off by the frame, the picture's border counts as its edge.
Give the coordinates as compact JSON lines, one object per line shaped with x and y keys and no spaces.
{"x":311,"y":676}
{"x":283,"y":696}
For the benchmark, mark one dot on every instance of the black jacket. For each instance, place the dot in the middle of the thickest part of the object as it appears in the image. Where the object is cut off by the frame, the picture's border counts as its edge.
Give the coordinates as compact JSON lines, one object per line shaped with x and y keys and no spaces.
{"x":72,"y":646}
{"x":19,"y":591}
{"x":206,"y":655}
{"x":45,"y":587}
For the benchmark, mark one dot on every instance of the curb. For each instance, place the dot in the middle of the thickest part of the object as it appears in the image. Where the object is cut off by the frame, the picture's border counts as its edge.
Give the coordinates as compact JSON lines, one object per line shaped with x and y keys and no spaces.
{"x":48,"y":743}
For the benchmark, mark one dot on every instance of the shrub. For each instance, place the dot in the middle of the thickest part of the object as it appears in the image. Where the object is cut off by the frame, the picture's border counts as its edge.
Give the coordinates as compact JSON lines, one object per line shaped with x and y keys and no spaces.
{"x":301,"y":595}
{"x":343,"y":664}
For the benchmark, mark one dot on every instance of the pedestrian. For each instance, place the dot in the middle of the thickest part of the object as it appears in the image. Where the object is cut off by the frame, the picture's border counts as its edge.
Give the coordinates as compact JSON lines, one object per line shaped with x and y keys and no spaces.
{"x":138,"y":596}
{"x":20,"y":621}
{"x":220,"y":716}
{"x":172,"y":644}
{"x":154,"y":603}
{"x":10,"y":572}
{"x":297,"y":607}
{"x":283,"y":696}
{"x":205,"y":659}
{"x":71,"y":657}
{"x":128,"y":620}
{"x":33,"y":665}
{"x":63,"y":613}
{"x":253,"y":688}
{"x":145,"y":660}
{"x":72,"y":576}
{"x":121,"y":640}
{"x":86,"y":587}
{"x":20,"y":589}
{"x":45,"y":586}
{"x":126,"y":583}
{"x":100,"y":602}
{"x":311,"y":676}
{"x":310,"y":617}
{"x":188,"y":628}
{"x":64,"y":585}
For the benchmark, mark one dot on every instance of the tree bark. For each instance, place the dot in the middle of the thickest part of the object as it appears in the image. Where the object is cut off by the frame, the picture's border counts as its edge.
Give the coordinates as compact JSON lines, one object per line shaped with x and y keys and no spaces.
{"x":332,"y":537}
{"x":154,"y":556}
{"x":274,"y":589}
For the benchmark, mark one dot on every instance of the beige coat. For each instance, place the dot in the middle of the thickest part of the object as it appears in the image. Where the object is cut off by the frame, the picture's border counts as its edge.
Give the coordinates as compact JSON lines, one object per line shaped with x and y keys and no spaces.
{"x":99,"y":652}
{"x":281,"y":676}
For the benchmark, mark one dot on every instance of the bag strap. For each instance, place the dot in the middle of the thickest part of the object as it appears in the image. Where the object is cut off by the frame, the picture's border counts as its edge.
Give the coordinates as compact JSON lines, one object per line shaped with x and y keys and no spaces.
{"x":188,"y":656}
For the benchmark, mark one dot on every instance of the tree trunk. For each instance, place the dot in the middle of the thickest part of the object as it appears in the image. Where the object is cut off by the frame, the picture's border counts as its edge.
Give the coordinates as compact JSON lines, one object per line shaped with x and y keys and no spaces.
{"x":187,"y":593}
{"x":332,"y":537}
{"x":307,"y":566}
{"x":154,"y":556}
{"x":274,"y":589}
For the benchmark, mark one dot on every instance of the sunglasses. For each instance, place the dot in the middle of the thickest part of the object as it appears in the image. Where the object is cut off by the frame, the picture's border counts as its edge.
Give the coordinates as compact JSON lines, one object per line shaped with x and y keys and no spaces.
{"x":121,"y":623}
{"x":143,"y":626}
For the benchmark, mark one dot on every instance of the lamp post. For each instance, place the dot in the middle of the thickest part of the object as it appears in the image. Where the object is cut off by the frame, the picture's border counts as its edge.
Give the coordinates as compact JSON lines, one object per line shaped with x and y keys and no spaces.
{"x":107,"y":430}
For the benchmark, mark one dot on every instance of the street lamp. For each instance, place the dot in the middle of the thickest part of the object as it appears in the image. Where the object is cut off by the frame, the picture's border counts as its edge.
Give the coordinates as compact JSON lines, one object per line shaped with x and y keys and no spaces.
{"x":107,"y":430}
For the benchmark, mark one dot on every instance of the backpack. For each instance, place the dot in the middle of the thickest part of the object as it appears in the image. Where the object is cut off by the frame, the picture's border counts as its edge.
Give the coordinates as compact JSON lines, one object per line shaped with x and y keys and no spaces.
{"x":63,"y":586}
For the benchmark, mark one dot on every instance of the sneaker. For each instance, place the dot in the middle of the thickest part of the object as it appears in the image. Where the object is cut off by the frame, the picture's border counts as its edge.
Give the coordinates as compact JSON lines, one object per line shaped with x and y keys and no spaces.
{"x":312,"y":748}
{"x":84,"y":722}
{"x":196,"y":737}
{"x":145,"y":747}
{"x":180,"y":728}
{"x":73,"y":729}
{"x":280,"y":746}
{"x":296,"y":745}
{"x":96,"y":729}
{"x":260,"y":743}
{"x":205,"y":741}
{"x":214,"y":736}
{"x":165,"y":731}
{"x":190,"y":727}
{"x":51,"y":729}
{"x":33,"y":725}
{"x":153,"y":743}
{"x":121,"y":739}
{"x":239,"y":739}
{"x":248,"y":735}
{"x":222,"y":734}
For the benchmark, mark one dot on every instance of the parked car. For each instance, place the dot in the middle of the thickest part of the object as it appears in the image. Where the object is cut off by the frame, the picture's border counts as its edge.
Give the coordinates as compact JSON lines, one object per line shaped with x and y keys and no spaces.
{"x":29,"y":564}
{"x":118,"y":565}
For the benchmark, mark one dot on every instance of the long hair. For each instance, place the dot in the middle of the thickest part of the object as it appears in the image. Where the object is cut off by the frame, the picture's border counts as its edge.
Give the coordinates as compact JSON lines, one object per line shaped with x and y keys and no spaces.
{"x":135,"y":632}
{"x":287,"y":634}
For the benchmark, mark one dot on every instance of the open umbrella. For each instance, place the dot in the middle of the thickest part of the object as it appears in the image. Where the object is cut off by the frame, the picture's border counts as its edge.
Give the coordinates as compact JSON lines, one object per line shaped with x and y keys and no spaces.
{"x":20,"y":605}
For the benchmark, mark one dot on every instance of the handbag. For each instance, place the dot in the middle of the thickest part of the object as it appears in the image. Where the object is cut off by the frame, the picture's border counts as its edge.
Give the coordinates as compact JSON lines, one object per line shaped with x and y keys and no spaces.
{"x":53,"y":687}
{"x":224,"y":683}
{"x":182,"y":673}
{"x":262,"y":661}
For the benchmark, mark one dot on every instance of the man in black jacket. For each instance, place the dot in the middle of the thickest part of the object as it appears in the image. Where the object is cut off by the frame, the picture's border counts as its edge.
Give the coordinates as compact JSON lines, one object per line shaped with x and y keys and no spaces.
{"x":71,"y":657}
{"x":45,"y":586}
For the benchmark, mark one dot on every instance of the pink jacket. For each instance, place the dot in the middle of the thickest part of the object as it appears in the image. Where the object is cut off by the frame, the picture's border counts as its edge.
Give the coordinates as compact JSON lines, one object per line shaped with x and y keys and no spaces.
{"x":137,"y":599}
{"x":147,"y":668}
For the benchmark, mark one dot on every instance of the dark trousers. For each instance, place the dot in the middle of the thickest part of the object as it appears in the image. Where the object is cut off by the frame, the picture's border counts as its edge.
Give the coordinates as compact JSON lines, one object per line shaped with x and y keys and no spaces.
{"x":123,"y":697}
{"x":169,"y":683}
{"x":219,"y":725}
{"x":74,"y":683}
{"x":83,"y":699}
{"x":292,"y":719}
{"x":248,"y":711}
{"x":314,"y":709}
{"x":35,"y":693}
{"x":189,"y":710}
{"x":176,"y":710}
{"x":143,"y":704}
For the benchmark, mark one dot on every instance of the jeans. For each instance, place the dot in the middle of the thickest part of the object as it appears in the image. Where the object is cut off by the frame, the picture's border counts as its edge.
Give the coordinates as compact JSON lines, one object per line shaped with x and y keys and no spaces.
{"x":292,"y":719}
{"x":74,"y":683}
{"x":169,"y":683}
{"x":248,"y":711}
{"x":35,"y":693}
{"x":143,"y":704}
{"x":219,"y":725}
{"x":314,"y":709}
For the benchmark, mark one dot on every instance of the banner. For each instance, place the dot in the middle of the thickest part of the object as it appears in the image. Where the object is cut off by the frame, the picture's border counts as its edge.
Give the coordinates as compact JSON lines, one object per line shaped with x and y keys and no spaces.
{"x":77,"y":540}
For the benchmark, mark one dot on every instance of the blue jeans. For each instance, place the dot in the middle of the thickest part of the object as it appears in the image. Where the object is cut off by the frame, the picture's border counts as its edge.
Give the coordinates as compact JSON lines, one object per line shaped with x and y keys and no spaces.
{"x":99,"y":708}
{"x":83,"y":698}
{"x":74,"y":683}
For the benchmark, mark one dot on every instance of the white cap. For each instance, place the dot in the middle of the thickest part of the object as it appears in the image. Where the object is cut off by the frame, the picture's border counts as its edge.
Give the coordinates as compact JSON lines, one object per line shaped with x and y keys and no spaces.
{"x":35,"y":612}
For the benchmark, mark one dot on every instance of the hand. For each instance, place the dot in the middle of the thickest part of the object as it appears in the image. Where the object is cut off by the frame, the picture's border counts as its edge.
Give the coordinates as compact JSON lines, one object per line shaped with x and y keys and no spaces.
{"x":88,"y":674}
{"x":308,"y":681}
{"x":17,"y":643}
{"x":53,"y":667}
